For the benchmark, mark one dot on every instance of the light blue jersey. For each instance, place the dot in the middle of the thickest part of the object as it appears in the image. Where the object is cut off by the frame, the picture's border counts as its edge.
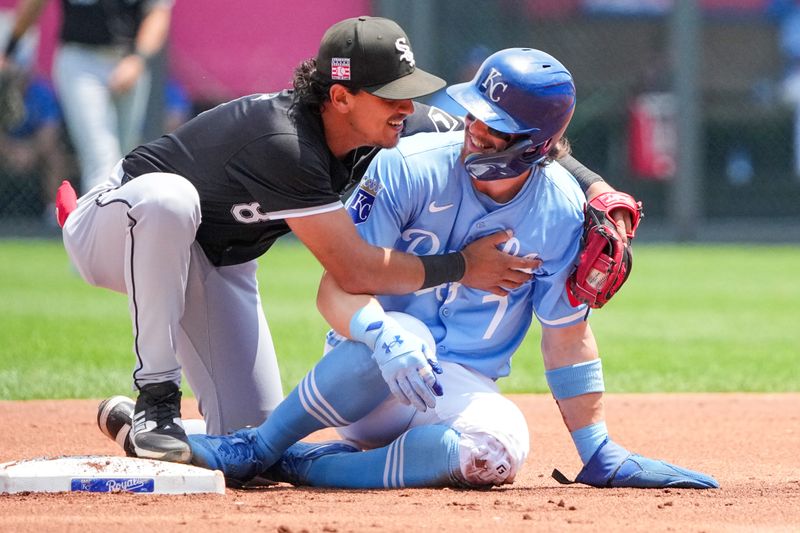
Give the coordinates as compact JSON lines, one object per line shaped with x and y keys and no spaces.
{"x":418,"y":198}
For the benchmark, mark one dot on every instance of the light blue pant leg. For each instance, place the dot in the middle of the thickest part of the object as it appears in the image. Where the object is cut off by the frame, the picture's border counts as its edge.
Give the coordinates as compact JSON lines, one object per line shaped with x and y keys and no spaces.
{"x":344,"y":386}
{"x":425,"y":456}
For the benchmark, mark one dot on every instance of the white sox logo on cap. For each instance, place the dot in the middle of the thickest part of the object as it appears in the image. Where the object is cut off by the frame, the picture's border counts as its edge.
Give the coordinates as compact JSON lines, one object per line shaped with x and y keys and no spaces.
{"x":404,"y":48}
{"x":491,"y":85}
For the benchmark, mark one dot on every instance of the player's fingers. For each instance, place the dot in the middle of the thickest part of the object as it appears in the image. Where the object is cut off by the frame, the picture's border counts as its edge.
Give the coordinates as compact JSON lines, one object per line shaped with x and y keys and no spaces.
{"x":498,"y":237}
{"x":525,"y":264}
{"x":497,"y":290}
{"x":398,"y":393}
{"x":435,"y":366}
{"x":409,"y":386}
{"x":514,"y":279}
{"x":422,"y":392}
{"x":622,"y":221}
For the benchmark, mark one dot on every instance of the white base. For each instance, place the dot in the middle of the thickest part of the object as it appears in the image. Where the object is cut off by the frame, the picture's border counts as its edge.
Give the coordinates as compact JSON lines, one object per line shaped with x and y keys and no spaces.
{"x":99,"y":473}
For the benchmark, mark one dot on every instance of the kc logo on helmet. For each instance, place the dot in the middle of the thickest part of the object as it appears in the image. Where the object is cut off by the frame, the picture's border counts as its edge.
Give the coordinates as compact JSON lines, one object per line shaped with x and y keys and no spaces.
{"x":491,"y":85}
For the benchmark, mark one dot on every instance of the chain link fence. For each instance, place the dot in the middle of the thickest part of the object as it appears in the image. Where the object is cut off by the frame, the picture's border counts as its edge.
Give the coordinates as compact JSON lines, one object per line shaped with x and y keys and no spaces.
{"x":625,"y":56}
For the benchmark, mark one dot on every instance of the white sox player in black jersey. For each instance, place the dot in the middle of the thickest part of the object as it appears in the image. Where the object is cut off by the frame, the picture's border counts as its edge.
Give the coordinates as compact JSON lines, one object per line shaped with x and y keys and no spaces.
{"x":181,"y":221}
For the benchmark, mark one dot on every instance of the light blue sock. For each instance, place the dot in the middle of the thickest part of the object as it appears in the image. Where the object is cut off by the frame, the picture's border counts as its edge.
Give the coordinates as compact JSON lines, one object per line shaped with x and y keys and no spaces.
{"x":343,"y":387}
{"x":588,"y":439}
{"x":425,"y":456}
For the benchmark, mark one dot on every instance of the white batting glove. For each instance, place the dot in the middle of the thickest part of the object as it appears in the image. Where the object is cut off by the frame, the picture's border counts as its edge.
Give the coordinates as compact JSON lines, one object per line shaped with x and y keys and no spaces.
{"x":406,"y":364}
{"x":407,"y":367}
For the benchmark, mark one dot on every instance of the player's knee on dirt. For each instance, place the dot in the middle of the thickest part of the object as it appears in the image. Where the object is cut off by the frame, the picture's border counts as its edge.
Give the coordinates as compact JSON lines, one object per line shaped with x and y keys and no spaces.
{"x":485,"y":461}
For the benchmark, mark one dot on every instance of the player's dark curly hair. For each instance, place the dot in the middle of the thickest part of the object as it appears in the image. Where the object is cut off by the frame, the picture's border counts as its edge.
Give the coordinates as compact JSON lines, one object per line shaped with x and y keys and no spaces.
{"x":560,"y":149}
{"x":310,"y":88}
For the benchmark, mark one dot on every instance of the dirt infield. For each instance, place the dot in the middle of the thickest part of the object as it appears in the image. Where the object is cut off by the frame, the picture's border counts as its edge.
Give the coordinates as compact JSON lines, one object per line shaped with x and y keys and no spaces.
{"x":750,"y":443}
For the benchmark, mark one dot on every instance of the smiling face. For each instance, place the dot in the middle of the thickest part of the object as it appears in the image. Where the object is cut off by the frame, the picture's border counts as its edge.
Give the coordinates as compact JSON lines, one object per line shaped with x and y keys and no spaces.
{"x":378,"y":121}
{"x":480,"y":138}
{"x":355,"y":119}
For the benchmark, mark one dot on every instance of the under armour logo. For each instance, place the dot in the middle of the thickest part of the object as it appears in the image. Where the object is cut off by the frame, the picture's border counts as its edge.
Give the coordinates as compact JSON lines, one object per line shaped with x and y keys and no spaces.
{"x":405,"y":49}
{"x":396,"y":342}
{"x":491,"y":85}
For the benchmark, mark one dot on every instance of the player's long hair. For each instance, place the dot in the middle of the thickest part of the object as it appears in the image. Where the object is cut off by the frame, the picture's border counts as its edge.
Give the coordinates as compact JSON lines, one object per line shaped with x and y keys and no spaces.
{"x":312,"y":90}
{"x":560,"y":149}
{"x":309,"y":90}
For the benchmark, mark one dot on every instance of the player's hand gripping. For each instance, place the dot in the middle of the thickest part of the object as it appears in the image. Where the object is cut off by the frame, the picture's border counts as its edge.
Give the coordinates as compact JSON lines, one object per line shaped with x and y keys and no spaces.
{"x":490,"y":269}
{"x":621,"y":217}
{"x":407,"y":366}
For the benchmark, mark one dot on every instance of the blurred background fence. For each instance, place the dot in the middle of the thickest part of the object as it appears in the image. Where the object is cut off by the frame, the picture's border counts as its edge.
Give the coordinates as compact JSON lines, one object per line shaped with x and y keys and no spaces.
{"x":690,"y":105}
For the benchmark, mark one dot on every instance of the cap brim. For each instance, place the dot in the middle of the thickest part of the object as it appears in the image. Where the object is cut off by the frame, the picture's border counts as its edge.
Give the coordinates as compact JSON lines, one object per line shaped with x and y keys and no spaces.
{"x":418,"y":83}
{"x":474,"y":102}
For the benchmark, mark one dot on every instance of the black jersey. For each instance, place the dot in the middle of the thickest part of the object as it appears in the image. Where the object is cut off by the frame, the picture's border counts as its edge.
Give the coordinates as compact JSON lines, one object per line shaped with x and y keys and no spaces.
{"x":102,"y":22}
{"x":257,"y":161}
{"x":254,"y":161}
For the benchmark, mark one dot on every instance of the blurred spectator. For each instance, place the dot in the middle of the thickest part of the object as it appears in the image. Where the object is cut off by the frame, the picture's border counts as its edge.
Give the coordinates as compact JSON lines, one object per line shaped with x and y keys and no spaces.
{"x":177,"y":105}
{"x":32,"y":151}
{"x":788,"y":15}
{"x":101,"y":73}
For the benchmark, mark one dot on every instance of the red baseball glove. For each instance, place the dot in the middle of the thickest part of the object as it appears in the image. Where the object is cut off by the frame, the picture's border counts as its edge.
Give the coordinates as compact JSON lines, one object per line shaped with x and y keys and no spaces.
{"x":605,"y":261}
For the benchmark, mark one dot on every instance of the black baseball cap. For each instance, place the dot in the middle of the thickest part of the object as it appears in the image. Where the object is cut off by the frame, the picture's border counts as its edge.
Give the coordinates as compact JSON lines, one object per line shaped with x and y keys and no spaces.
{"x":373,"y":54}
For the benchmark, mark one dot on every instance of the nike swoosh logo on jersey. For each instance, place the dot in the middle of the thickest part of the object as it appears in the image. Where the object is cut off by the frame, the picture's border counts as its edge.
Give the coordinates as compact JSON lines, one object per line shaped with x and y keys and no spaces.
{"x":433,"y":208}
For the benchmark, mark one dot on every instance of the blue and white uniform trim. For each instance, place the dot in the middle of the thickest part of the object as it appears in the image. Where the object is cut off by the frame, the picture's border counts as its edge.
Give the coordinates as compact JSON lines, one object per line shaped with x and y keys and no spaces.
{"x":316,"y":405}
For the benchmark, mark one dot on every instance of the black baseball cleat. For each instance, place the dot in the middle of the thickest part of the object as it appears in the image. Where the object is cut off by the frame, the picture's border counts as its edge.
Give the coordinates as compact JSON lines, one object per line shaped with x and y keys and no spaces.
{"x":114,"y":418}
{"x":157,"y":431}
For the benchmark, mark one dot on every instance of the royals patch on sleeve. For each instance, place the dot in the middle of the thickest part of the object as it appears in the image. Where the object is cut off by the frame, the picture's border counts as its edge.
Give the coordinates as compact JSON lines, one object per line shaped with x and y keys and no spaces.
{"x":360,"y":204}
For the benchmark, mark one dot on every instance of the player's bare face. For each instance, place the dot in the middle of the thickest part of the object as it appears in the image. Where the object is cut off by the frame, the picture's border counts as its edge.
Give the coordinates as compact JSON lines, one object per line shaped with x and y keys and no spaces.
{"x":378,"y":121}
{"x":480,"y":138}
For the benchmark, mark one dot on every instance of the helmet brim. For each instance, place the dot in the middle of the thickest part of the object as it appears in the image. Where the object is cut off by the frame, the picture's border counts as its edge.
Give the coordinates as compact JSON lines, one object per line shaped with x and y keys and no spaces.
{"x":476,"y":104}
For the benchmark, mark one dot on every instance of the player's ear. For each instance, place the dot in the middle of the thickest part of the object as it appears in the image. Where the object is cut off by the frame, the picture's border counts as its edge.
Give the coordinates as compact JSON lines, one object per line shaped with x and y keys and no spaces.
{"x":341,"y":98}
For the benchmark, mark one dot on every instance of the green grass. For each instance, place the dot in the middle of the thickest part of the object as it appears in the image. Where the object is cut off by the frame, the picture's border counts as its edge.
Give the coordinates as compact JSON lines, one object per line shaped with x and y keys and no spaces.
{"x":690,"y":318}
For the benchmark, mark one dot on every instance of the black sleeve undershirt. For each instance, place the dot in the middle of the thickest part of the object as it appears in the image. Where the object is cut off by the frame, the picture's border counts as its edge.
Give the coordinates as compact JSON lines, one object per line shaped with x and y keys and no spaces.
{"x":583,"y":175}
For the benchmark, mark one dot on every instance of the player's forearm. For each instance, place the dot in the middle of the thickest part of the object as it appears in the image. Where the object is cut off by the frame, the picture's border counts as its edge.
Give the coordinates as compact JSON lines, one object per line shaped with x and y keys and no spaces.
{"x":572,"y":353}
{"x":27,"y":13}
{"x":338,"y":306}
{"x":153,"y":31}
{"x":568,"y":346}
{"x":584,"y":176}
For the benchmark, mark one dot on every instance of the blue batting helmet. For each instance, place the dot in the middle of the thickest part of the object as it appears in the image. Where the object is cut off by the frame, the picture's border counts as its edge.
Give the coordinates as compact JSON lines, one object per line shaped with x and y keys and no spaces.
{"x":517,"y":91}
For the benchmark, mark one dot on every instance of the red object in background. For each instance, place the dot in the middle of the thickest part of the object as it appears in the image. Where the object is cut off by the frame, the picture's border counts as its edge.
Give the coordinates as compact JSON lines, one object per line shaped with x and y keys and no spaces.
{"x":652,"y":136}
{"x":66,"y":202}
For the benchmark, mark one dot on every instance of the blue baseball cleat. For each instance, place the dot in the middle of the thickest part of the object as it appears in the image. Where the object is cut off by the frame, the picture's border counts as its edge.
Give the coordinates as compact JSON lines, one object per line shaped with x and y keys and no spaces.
{"x":614,"y":466}
{"x":296,"y":460}
{"x":236,"y":455}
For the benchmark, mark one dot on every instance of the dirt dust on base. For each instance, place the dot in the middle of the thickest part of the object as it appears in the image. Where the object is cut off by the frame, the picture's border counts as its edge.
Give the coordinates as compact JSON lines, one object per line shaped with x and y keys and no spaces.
{"x":749,"y":442}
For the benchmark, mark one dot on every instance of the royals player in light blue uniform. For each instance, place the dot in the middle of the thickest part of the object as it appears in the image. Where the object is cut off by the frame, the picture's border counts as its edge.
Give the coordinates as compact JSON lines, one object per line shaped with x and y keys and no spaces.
{"x":416,"y":398}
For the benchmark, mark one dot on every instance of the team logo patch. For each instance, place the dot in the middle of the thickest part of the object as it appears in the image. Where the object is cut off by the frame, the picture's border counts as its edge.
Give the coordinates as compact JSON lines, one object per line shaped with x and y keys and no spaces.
{"x":405,"y":51}
{"x":360,"y":204}
{"x":340,"y":68}
{"x":494,"y":86}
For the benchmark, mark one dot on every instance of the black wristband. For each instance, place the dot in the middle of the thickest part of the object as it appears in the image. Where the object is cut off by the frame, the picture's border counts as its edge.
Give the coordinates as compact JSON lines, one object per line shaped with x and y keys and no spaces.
{"x":11,"y":46}
{"x":442,"y":268}
{"x":583,"y":175}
